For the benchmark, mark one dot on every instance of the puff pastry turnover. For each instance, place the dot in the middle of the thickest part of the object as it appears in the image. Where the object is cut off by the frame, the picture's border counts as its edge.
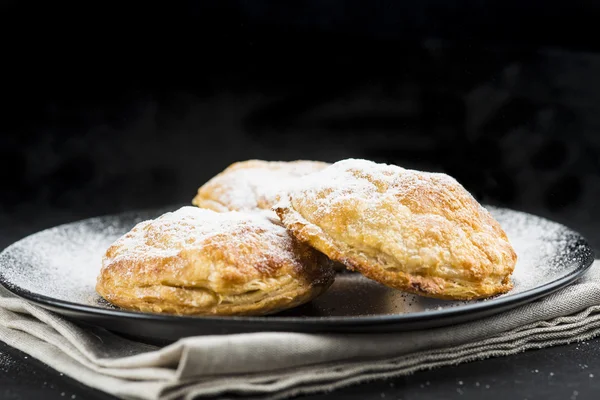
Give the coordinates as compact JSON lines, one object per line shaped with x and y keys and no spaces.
{"x":197,"y":261}
{"x":414,"y":231}
{"x":251,"y":185}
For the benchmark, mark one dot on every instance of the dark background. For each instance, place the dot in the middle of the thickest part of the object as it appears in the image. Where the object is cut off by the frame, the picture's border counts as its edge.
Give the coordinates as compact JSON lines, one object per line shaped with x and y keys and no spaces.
{"x":109,"y":107}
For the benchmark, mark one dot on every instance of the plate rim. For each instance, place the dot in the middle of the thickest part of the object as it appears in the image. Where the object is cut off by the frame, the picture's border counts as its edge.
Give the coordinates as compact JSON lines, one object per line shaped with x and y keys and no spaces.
{"x":500,"y":303}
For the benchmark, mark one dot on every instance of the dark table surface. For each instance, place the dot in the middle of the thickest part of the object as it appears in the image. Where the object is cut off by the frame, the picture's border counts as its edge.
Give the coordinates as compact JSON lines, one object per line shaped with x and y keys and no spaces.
{"x":564,"y":372}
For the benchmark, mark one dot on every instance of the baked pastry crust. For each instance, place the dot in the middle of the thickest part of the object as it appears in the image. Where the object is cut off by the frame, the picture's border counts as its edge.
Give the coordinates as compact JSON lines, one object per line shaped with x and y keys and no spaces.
{"x":252,"y":185}
{"x":197,"y":261}
{"x":415,"y":231}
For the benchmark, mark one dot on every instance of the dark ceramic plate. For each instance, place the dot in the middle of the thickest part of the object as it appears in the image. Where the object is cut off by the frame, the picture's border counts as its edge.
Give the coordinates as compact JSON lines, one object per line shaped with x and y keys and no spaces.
{"x":57,"y":269}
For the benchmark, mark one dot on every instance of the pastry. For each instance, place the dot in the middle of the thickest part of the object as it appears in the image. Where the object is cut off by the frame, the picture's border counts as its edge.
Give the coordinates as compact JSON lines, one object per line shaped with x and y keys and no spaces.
{"x":415,"y":231}
{"x":251,"y":185}
{"x":198,"y":261}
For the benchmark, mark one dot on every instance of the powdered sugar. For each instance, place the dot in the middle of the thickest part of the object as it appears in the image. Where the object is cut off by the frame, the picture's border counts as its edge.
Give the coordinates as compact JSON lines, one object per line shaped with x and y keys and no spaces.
{"x":61,"y":262}
{"x":255,"y":184}
{"x":342,"y":177}
{"x":6,"y":362}
{"x":342,"y":181}
{"x":541,"y":242}
{"x":191,"y":226}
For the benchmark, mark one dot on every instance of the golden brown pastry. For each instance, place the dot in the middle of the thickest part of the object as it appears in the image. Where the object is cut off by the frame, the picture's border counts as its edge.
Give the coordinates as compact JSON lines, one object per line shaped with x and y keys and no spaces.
{"x":251,"y":185}
{"x":415,"y":231}
{"x":197,"y":261}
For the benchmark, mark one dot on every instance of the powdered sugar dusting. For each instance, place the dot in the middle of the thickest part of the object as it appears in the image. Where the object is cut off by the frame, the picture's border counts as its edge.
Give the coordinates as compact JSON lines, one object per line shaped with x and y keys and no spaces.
{"x":6,"y":362}
{"x":255,"y":184}
{"x":191,"y":226}
{"x":341,"y":181}
{"x":63,"y":262}
{"x":547,"y":245}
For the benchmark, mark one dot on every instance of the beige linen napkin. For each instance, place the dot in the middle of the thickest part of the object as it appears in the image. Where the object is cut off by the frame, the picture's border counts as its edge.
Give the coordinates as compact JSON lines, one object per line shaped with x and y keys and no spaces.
{"x":279,"y":365}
